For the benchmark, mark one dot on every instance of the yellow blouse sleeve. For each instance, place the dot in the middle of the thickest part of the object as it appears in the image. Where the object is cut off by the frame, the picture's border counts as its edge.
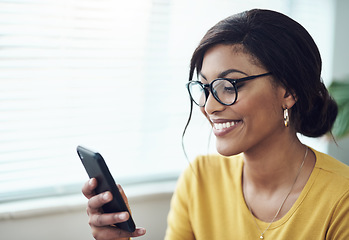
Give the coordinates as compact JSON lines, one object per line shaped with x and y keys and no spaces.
{"x":179,"y":225}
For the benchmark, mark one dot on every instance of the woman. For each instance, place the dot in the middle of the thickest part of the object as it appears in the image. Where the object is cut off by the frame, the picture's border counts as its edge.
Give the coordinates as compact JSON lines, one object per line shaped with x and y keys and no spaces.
{"x":258,"y":85}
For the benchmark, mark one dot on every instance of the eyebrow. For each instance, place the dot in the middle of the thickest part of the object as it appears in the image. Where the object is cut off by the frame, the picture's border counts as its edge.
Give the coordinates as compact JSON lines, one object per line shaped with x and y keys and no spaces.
{"x":224,"y":73}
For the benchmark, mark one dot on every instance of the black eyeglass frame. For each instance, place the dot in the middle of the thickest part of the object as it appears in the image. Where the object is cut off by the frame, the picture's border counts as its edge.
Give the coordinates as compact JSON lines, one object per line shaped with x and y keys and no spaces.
{"x":205,"y":87}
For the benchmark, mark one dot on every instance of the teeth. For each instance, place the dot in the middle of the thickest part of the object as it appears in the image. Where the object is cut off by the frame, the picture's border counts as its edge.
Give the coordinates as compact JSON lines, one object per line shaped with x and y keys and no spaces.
{"x":220,"y":126}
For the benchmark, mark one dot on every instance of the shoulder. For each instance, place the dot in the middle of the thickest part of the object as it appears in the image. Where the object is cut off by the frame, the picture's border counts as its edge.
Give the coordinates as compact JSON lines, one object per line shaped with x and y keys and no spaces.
{"x":216,"y":161}
{"x":198,"y":195}
{"x":210,"y":165}
{"x":330,"y":176}
{"x":331,"y":167}
{"x":332,"y":184}
{"x":211,"y":170}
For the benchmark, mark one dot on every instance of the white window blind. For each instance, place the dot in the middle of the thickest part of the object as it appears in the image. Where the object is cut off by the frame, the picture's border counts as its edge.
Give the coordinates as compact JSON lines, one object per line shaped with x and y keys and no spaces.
{"x":84,"y":72}
{"x":106,"y":74}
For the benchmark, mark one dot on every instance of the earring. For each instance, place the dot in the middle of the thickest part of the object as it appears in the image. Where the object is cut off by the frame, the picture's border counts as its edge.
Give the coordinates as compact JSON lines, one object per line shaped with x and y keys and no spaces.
{"x":286,"y":117}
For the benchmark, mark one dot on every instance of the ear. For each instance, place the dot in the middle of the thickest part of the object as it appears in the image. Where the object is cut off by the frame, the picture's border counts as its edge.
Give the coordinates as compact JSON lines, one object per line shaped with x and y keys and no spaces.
{"x":290,"y":98}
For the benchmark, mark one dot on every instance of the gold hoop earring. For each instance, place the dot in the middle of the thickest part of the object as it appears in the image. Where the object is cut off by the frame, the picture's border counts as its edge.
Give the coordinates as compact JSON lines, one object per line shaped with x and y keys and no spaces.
{"x":286,"y":117}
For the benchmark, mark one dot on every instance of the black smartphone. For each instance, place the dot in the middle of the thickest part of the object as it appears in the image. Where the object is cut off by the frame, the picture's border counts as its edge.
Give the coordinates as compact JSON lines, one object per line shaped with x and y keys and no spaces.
{"x":97,"y":168}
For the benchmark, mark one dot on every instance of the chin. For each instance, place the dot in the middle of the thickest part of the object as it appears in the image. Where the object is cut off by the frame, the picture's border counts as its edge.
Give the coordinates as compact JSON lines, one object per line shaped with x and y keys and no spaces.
{"x":227,"y":150}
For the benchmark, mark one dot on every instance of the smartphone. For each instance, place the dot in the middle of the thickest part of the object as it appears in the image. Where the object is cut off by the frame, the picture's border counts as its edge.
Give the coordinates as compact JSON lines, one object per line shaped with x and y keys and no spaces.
{"x":97,"y":168}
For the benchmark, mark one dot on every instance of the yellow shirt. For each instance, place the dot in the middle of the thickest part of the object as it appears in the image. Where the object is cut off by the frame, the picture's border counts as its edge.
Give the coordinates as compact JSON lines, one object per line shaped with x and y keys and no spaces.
{"x":208,"y":204}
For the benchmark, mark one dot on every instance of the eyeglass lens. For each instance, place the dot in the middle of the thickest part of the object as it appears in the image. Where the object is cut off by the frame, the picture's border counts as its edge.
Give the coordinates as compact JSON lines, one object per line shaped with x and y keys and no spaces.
{"x":197,"y":93}
{"x":222,"y":90}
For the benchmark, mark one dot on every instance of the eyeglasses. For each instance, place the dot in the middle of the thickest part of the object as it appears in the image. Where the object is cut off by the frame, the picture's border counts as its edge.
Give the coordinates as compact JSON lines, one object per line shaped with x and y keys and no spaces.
{"x":224,"y":90}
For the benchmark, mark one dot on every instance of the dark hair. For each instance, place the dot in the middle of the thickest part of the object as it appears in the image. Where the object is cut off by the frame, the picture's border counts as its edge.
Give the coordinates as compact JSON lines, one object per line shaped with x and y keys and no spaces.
{"x":286,"y":49}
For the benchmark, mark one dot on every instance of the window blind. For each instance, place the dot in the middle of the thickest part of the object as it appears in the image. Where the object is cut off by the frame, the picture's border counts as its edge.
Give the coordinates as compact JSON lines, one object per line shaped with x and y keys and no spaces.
{"x":105,"y":74}
{"x":74,"y":72}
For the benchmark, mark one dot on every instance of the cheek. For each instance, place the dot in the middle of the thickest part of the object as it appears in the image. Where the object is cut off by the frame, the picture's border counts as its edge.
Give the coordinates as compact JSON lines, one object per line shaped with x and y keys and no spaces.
{"x":261,"y":111}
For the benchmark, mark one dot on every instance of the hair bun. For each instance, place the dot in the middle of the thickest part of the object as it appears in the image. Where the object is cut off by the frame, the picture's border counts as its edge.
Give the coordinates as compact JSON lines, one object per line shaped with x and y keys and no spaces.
{"x":320,"y":117}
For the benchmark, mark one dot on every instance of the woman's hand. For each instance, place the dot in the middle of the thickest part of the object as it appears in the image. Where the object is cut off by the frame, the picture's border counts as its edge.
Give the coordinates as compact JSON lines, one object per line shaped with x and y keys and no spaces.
{"x":102,"y":223}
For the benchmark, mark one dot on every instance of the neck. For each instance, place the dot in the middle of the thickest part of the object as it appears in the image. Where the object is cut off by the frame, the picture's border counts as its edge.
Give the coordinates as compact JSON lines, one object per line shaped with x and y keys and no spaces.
{"x":270,"y":168}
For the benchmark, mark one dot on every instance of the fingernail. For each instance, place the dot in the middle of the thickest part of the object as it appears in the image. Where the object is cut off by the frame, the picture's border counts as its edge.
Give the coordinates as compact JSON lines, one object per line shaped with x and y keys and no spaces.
{"x":122,"y":216}
{"x":106,"y":196}
{"x":90,"y":182}
{"x":141,"y":231}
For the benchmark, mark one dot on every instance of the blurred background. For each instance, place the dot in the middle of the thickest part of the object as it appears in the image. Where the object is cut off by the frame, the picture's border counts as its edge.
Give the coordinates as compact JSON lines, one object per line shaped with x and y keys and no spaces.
{"x":110,"y":75}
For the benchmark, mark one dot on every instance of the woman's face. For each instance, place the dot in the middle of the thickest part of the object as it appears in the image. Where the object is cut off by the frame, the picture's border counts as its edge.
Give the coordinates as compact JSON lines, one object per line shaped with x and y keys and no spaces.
{"x":256,"y":119}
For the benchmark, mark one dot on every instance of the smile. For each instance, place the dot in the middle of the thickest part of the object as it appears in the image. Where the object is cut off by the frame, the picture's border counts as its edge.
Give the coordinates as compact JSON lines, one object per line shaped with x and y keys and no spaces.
{"x":221,"y":126}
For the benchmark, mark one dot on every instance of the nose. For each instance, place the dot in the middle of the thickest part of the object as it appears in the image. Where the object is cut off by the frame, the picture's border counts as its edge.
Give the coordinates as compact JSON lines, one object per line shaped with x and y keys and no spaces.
{"x":212,"y":105}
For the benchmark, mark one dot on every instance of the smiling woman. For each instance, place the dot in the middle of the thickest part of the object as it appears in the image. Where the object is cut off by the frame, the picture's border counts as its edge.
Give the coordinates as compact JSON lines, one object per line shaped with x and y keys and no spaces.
{"x":103,"y":74}
{"x":259,"y":87}
{"x":265,"y":179}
